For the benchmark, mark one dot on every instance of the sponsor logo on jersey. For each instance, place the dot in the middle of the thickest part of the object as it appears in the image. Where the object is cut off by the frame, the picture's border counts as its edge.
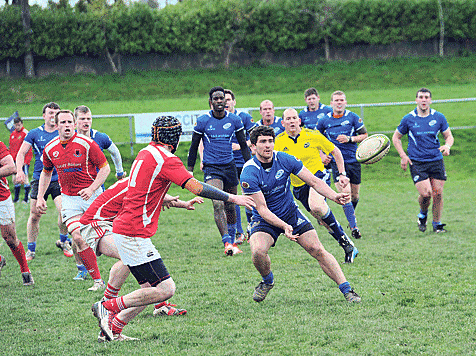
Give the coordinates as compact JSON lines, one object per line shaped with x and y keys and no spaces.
{"x":55,"y":154}
{"x":279,"y":174}
{"x":245,"y":185}
{"x":432,"y":123}
{"x":285,"y":149}
{"x":227,"y":126}
{"x":211,"y":128}
{"x":300,"y":221}
{"x":150,"y":253}
{"x":307,"y":144}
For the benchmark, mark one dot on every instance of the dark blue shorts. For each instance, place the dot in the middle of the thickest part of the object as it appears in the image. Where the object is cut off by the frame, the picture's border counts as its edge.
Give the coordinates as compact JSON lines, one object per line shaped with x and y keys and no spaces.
{"x":302,"y":193}
{"x":53,"y":189}
{"x":224,"y":172}
{"x":421,"y":171}
{"x":353,"y":171}
{"x":153,"y":272}
{"x":295,"y":218}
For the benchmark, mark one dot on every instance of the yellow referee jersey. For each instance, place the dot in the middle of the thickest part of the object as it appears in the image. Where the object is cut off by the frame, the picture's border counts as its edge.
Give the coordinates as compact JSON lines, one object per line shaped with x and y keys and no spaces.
{"x":305,"y":147}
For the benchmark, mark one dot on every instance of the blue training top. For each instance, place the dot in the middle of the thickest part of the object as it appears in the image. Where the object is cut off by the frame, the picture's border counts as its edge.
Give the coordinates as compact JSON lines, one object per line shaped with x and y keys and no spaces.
{"x":217,"y":135}
{"x":309,"y":119}
{"x":348,"y":124}
{"x":102,"y":139}
{"x":38,"y":138}
{"x":248,"y":124}
{"x":273,"y":182}
{"x":423,"y":142}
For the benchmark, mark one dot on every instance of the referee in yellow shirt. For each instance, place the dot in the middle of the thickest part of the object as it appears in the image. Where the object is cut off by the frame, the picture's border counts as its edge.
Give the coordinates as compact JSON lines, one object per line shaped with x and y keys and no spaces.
{"x":305,"y":144}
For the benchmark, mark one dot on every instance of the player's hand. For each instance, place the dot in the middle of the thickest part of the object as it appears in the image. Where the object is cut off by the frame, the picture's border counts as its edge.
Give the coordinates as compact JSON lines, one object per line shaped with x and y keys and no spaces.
{"x":341,"y":198}
{"x":120,"y":175}
{"x":41,"y":206}
{"x":86,"y":193}
{"x":288,"y":231}
{"x":445,"y":150}
{"x":169,"y":201}
{"x":326,"y":159}
{"x":235,"y":147}
{"x":20,"y":177}
{"x":343,"y":138}
{"x":343,"y":181}
{"x":404,"y":162}
{"x":189,"y":205}
{"x":201,"y":166}
{"x":243,"y":200}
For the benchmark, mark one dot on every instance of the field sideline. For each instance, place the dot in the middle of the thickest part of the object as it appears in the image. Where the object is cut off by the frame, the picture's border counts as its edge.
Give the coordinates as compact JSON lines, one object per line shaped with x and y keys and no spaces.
{"x":417,"y":288}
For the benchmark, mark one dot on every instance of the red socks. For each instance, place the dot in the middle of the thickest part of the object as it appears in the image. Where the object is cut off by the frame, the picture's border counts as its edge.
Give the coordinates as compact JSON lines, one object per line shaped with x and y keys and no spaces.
{"x":111,"y":292}
{"x":19,"y":253}
{"x":115,"y":305}
{"x":90,"y":262}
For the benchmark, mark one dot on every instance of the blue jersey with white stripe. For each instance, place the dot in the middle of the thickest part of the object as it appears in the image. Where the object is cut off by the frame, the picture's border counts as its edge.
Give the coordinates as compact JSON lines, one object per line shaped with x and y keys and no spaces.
{"x":273,"y":182}
{"x":276,"y":125}
{"x":348,"y":125}
{"x":309,"y":119}
{"x":217,"y":135}
{"x":423,"y":142}
{"x":38,"y":138}
{"x":102,"y":139}
{"x":248,"y":124}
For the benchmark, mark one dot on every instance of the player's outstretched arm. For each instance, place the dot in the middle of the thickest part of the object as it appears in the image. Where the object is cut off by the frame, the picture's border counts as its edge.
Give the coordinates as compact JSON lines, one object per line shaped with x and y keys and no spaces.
{"x":117,"y":160}
{"x":322,"y":188}
{"x":192,"y":152}
{"x":270,"y":217}
{"x":449,"y":141}
{"x":343,"y":180}
{"x":207,"y":191}
{"x":175,"y":202}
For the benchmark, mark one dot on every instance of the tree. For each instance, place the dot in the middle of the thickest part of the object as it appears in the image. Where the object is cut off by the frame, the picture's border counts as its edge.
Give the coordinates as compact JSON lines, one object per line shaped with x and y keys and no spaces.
{"x":26,"y":22}
{"x":442,"y":28}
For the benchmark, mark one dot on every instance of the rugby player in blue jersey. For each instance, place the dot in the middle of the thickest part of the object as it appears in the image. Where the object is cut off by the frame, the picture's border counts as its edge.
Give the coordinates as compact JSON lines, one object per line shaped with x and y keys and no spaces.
{"x":266,"y":178}
{"x":38,"y":138}
{"x":84,"y":120}
{"x":425,"y":155}
{"x":266,"y":110}
{"x":247,"y":119}
{"x":314,"y":110}
{"x":216,"y":129}
{"x":310,"y":115}
{"x":345,"y":129}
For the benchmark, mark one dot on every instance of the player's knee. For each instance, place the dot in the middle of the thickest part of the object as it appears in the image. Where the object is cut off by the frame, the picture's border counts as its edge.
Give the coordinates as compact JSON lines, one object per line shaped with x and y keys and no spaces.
{"x":218,"y":205}
{"x":166,"y":289}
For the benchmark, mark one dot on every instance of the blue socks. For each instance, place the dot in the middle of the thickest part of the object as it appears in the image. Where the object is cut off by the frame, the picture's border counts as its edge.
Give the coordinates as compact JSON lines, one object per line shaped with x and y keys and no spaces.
{"x":350,"y":215}
{"x":331,"y":221}
{"x":354,"y":203}
{"x":239,"y":228}
{"x":227,"y":238}
{"x":63,"y":238}
{"x":269,"y":279}
{"x":423,"y":214}
{"x":82,"y":268}
{"x":32,"y":246}
{"x":345,"y":288}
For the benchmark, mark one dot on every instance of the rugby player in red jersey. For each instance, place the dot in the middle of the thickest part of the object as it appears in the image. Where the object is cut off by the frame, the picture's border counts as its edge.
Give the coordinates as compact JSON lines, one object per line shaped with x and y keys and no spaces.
{"x":75,"y":158}
{"x":152,"y":172}
{"x":7,"y":216}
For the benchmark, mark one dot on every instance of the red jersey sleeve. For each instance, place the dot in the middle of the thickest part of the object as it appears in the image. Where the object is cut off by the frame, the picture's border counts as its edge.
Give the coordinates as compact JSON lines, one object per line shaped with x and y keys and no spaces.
{"x":175,"y":171}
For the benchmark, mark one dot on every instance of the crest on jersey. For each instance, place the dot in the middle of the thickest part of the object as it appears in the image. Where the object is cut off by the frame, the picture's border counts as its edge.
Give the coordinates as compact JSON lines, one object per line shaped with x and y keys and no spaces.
{"x":432,"y":123}
{"x":55,"y":154}
{"x":245,"y":185}
{"x":227,"y":126}
{"x":307,"y":144}
{"x":279,"y":174}
{"x":77,"y":153}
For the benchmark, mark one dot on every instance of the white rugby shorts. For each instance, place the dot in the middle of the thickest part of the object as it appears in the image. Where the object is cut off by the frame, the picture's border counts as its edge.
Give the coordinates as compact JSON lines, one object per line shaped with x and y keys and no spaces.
{"x":135,"y":251}
{"x":75,"y":205}
{"x":7,"y":212}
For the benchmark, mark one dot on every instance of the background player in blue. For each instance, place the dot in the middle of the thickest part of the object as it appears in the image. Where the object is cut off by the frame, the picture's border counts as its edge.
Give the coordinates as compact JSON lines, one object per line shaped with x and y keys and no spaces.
{"x":266,"y":179}
{"x":425,"y":155}
{"x":345,"y":129}
{"x":216,"y":129}
{"x":310,"y":116}
{"x":84,"y":121}
{"x":314,"y":111}
{"x":38,"y":138}
{"x":266,"y":110}
{"x":248,"y":124}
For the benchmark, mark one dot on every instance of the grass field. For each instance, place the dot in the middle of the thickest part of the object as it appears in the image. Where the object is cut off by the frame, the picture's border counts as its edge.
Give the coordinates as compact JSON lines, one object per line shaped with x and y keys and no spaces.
{"x":417,"y":288}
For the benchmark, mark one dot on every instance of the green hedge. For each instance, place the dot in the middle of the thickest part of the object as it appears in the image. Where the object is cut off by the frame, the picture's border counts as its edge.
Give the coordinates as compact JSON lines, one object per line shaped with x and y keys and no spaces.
{"x":198,"y":26}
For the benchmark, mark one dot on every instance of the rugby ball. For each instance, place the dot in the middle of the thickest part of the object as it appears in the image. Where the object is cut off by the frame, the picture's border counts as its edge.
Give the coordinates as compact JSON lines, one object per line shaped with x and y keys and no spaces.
{"x":373,"y":149}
